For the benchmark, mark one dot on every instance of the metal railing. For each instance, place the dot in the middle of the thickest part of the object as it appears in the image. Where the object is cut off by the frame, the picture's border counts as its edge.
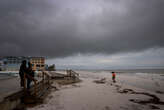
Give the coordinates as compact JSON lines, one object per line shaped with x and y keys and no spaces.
{"x":71,"y":73}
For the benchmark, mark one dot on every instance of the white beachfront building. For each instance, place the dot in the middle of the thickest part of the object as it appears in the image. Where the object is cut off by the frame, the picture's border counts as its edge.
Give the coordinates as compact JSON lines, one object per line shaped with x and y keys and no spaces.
{"x":12,"y":63}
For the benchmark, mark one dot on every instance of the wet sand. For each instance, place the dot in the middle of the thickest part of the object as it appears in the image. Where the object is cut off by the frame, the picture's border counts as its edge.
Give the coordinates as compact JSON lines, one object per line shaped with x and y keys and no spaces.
{"x":8,"y":86}
{"x":130,"y":92}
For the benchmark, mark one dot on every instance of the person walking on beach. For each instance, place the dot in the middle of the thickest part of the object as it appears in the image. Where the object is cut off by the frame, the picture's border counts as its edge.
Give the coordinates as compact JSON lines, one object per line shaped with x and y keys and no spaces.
{"x":22,"y":71}
{"x":114,"y":77}
{"x":30,"y":74}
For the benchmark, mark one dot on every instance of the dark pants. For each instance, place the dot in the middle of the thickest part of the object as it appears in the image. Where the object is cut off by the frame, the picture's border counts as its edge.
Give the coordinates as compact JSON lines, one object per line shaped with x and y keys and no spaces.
{"x":113,"y":78}
{"x":28,"y":83}
{"x":22,"y":80}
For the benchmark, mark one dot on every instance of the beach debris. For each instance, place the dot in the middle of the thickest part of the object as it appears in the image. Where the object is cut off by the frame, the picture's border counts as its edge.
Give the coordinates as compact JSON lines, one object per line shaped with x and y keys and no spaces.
{"x":101,"y":81}
{"x":159,"y":92}
{"x":126,"y":91}
{"x":154,"y":107}
{"x":106,"y":108}
{"x":118,"y":87}
{"x":153,"y":98}
{"x":75,"y":85}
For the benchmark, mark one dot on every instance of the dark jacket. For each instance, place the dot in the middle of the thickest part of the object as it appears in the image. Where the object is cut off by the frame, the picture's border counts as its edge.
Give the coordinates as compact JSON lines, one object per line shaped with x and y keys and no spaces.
{"x":30,"y":72}
{"x":22,"y":70}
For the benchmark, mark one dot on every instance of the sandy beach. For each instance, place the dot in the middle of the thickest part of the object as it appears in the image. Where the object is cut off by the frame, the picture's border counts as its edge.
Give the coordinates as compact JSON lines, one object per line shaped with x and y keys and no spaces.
{"x":132,"y":91}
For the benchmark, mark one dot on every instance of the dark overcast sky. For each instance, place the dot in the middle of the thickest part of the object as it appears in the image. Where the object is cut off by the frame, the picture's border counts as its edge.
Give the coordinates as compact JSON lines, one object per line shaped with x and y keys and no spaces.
{"x":61,"y":28}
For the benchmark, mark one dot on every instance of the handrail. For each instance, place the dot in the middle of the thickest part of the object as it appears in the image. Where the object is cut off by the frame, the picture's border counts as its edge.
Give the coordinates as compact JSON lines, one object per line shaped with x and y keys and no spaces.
{"x":45,"y":79}
{"x":46,"y":74}
{"x":31,"y":78}
{"x":72,"y":73}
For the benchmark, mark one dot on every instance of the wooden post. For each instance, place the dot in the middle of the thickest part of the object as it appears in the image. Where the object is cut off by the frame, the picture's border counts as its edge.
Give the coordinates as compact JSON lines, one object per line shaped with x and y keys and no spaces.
{"x":48,"y":78}
{"x":42,"y":80}
{"x":43,"y":76}
{"x":35,"y":88}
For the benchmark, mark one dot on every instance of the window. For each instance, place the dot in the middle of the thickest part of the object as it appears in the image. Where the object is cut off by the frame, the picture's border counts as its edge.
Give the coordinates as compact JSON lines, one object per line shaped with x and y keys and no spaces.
{"x":37,"y":65}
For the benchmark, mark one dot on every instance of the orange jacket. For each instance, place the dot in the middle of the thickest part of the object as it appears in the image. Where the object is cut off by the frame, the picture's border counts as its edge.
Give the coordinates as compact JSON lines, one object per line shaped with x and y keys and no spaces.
{"x":113,"y":74}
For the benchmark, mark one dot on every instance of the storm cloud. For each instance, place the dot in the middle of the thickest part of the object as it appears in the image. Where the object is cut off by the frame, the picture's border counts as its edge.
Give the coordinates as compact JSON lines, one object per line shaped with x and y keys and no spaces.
{"x":59,"y":28}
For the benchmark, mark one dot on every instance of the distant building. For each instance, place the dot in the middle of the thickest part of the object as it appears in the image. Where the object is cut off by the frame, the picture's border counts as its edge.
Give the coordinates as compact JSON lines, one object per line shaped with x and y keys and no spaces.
{"x":51,"y":68}
{"x":11,"y":63}
{"x":38,"y":63}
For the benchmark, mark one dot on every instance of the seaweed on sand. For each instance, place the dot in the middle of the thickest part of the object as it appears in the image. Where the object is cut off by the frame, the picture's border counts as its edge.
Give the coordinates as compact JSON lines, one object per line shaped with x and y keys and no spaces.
{"x":152,"y":100}
{"x":101,"y":81}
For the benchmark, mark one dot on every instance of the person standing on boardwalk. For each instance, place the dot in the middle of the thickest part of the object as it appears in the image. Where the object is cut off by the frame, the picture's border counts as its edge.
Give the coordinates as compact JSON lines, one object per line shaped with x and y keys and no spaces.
{"x":22,"y":71}
{"x":30,"y":74}
{"x":114,"y":77}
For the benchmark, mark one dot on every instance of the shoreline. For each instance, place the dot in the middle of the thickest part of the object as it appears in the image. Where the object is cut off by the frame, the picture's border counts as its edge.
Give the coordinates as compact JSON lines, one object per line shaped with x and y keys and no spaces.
{"x":88,"y":95}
